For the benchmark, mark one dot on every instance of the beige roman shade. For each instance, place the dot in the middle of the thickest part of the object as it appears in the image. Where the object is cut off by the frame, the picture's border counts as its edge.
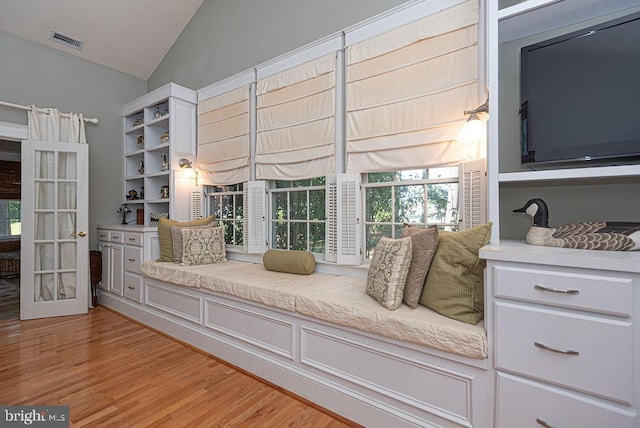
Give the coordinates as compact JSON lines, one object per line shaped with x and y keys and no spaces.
{"x":296,"y":121}
{"x":223,"y":137}
{"x":407,"y":90}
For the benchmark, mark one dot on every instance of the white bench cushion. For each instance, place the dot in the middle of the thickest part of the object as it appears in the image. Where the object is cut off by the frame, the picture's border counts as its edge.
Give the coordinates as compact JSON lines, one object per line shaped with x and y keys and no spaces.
{"x":189,"y":276}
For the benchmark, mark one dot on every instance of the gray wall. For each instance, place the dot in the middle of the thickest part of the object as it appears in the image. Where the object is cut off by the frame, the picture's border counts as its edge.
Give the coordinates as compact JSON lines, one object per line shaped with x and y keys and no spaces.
{"x":34,"y":74}
{"x":227,"y":37}
{"x":602,"y":199}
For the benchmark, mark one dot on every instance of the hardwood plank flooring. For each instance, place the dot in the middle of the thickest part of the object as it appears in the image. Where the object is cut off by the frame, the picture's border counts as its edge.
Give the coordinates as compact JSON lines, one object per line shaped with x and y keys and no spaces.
{"x":113,"y":372}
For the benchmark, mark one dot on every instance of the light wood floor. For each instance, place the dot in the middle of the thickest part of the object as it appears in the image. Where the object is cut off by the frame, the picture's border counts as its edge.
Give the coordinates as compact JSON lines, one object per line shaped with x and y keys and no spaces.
{"x":114,"y":372}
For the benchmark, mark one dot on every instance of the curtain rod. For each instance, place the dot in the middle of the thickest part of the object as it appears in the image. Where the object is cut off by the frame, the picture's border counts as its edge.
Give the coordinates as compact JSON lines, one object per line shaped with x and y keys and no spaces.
{"x":27,"y":108}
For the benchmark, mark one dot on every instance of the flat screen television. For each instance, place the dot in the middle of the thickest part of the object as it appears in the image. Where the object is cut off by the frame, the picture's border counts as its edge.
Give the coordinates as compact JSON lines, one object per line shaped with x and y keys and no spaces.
{"x":580,"y":95}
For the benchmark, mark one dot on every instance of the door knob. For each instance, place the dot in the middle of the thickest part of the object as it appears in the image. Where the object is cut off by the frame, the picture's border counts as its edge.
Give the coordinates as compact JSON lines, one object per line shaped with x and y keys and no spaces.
{"x":81,"y":234}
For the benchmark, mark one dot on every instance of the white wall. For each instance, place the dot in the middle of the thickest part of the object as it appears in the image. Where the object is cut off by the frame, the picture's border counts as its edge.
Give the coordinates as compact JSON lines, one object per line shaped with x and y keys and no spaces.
{"x":227,"y":37}
{"x":34,"y":74}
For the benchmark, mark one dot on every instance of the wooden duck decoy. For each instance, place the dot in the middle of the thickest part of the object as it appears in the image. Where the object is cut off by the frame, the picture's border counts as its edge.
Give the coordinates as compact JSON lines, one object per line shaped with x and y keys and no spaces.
{"x":602,"y":235}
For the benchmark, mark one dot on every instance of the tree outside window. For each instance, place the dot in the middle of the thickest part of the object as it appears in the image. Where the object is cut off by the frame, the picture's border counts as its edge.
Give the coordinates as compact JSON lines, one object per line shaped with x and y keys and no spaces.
{"x":10,"y":220}
{"x":226,"y":203}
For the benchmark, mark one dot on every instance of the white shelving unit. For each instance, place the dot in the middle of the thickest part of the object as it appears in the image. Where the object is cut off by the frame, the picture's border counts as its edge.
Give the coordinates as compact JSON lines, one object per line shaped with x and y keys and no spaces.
{"x":159,"y":130}
{"x":518,"y":21}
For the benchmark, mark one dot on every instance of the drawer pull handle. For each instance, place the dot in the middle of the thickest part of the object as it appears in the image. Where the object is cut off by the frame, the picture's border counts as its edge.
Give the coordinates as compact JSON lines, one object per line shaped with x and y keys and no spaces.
{"x":559,"y":351}
{"x":543,"y":423}
{"x":132,"y":239}
{"x":556,"y":290}
{"x":131,"y":288}
{"x":132,"y":260}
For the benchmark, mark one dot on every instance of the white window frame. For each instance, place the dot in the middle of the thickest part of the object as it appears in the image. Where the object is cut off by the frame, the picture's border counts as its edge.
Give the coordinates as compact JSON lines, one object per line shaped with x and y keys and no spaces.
{"x":210,"y":194}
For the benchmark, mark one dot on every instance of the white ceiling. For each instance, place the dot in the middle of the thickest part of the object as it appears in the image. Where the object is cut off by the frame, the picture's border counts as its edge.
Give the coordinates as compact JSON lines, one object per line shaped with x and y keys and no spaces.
{"x":128,"y":35}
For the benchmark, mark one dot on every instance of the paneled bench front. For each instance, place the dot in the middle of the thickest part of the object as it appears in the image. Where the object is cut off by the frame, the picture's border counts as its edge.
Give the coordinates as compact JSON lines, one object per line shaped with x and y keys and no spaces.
{"x":322,"y":338}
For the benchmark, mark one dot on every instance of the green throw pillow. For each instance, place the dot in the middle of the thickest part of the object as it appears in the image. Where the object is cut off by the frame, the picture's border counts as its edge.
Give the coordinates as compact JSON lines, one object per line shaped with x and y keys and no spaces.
{"x":455,"y":282}
{"x":164,"y":234}
{"x":292,"y":261}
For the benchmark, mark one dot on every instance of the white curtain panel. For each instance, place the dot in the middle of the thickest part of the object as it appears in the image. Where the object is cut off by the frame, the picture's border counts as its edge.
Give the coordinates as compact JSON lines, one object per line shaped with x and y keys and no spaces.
{"x":407,"y":90}
{"x":223,"y":138}
{"x":296,"y":122}
{"x":50,"y":125}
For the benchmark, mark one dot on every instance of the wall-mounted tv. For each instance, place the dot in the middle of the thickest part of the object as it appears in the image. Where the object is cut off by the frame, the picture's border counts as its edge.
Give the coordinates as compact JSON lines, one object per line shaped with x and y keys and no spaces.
{"x":580,"y":95}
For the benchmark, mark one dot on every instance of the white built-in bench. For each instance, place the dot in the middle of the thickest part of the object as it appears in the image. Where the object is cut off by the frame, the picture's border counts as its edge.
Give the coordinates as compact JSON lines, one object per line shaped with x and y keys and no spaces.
{"x":322,"y":337}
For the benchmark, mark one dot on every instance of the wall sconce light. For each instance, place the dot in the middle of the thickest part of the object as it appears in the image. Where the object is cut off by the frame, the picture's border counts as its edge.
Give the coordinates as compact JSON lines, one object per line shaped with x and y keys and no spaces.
{"x":474,"y":129}
{"x":186,"y":165}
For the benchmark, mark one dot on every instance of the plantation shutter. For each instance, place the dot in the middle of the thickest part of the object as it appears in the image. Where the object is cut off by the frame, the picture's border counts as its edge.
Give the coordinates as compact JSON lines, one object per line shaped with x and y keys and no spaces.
{"x":331,"y":227}
{"x":296,"y":121}
{"x":255,"y":221}
{"x":223,"y":137}
{"x":348,"y":224}
{"x":407,"y":90}
{"x":473,"y":191}
{"x":195,"y":205}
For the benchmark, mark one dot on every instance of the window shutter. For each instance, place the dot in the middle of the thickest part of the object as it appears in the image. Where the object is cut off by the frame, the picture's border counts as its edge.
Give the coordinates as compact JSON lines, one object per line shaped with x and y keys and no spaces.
{"x":331,"y":226}
{"x":349,"y":231}
{"x":473,"y":191}
{"x":254,"y":227}
{"x":195,"y":205}
{"x":407,"y":90}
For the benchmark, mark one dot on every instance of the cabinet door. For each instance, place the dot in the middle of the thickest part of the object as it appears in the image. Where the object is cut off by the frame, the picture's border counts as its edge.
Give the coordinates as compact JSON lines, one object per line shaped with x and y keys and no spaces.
{"x":117,"y":265}
{"x":105,"y":250}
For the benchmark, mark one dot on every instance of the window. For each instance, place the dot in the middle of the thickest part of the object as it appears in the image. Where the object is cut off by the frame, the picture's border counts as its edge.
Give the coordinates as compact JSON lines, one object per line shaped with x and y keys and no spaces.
{"x":424,"y":197}
{"x":298,"y":215}
{"x":226,"y":203}
{"x":10,"y":223}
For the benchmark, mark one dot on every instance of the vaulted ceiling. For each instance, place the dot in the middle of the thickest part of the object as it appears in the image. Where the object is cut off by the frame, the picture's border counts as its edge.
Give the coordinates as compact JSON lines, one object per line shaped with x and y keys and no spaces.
{"x":128,"y":35}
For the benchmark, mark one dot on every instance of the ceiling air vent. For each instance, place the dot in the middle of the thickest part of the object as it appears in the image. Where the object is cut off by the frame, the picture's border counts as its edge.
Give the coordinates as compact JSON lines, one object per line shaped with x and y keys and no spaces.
{"x":57,"y":36}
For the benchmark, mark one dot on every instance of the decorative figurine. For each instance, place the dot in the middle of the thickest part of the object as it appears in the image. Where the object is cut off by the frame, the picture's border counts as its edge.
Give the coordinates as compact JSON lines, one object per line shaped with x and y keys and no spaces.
{"x":140,"y":143}
{"x":164,"y":138}
{"x":157,"y":114}
{"x":141,"y":168}
{"x":124,"y":210}
{"x":164,"y":192}
{"x":132,"y":195}
{"x":141,"y":192}
{"x":602,"y":235}
{"x":164,"y":165}
{"x":138,"y":121}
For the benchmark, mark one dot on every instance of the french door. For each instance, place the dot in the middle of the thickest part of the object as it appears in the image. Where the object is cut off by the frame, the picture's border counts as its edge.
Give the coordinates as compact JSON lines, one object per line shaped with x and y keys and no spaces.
{"x":54,"y":277}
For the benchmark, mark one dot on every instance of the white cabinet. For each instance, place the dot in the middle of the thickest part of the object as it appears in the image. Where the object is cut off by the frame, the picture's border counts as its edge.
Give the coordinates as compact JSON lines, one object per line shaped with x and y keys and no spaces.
{"x":123,"y":249}
{"x":566,"y":336}
{"x":159,"y":130}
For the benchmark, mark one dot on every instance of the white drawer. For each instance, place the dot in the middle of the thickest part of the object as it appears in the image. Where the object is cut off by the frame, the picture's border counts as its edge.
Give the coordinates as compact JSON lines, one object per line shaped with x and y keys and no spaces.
{"x":103,"y":235}
{"x":599,"y":293}
{"x":133,"y":287}
{"x":131,"y":238}
{"x":132,"y":259}
{"x":523,"y":403}
{"x":117,"y":236}
{"x":603,"y":363}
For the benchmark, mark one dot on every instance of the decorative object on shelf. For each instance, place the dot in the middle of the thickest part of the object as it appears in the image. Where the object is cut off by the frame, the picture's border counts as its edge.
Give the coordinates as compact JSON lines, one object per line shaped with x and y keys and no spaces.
{"x":157,"y":113}
{"x":140,"y":216}
{"x":142,"y":192}
{"x":164,"y":192}
{"x":138,"y":121}
{"x":164,"y":138}
{"x":602,"y":235}
{"x":164,"y":165}
{"x":132,"y":195}
{"x":155,"y":217}
{"x":124,"y":210}
{"x":140,"y":142}
{"x":141,"y":167}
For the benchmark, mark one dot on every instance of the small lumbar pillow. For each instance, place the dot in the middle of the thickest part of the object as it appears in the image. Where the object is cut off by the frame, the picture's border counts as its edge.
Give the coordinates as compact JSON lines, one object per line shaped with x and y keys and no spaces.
{"x":164,"y":234}
{"x":388,"y":271}
{"x":176,"y":237}
{"x":455,"y":282}
{"x":203,"y":246}
{"x":424,"y":242}
{"x":289,"y":261}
